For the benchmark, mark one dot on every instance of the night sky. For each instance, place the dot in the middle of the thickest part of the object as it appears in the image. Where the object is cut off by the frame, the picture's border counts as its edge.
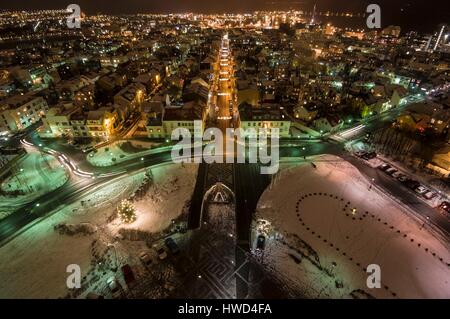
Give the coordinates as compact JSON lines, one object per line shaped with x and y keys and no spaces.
{"x":423,"y":15}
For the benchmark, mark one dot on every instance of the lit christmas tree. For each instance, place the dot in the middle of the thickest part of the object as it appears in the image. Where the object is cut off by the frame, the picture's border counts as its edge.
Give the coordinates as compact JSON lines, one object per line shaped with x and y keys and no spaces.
{"x":126,"y":211}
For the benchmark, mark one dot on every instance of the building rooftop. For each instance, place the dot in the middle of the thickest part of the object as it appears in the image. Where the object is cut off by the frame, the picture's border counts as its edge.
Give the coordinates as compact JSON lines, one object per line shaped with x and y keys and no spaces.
{"x":17,"y":100}
{"x":188,"y":112}
{"x":249,"y":113}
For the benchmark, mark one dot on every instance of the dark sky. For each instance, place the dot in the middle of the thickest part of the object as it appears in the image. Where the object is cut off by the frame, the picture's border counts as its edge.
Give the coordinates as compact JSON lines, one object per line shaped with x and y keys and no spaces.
{"x":420,"y":14}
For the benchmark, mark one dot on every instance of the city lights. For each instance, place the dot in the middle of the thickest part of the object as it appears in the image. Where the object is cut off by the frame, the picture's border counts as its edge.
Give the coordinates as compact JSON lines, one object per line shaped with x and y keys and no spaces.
{"x":243,"y":151}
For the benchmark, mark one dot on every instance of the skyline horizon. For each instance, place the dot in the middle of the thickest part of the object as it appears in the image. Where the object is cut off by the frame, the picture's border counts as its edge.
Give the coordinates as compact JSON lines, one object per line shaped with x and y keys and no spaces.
{"x":401,"y":13}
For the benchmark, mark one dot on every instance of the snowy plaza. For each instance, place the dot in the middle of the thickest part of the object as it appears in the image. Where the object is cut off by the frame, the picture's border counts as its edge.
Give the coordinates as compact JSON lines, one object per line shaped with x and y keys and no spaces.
{"x":325,"y":225}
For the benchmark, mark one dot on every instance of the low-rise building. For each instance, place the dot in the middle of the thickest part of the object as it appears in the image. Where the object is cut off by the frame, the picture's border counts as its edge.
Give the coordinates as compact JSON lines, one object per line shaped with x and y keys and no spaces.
{"x":131,"y":97}
{"x":84,"y":98}
{"x":71,"y":121}
{"x":155,"y":129}
{"x":247,"y":93}
{"x":184,"y":117}
{"x":113,"y":61}
{"x":57,"y":121}
{"x":425,"y":117}
{"x":307,"y":111}
{"x":102,"y":122}
{"x":265,"y":118}
{"x":20,"y":111}
{"x":161,"y":125}
{"x":328,"y":124}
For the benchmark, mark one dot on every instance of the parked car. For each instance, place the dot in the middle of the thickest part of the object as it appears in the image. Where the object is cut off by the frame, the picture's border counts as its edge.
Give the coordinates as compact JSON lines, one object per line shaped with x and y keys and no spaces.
{"x":429,"y":195}
{"x":384,"y":167}
{"x":128,"y":275}
{"x":360,"y":153}
{"x":172,"y":245}
{"x":420,"y":190}
{"x":145,"y":258}
{"x":115,"y":288}
{"x":162,"y":254}
{"x":396,"y":175}
{"x":391,"y":171}
{"x":412,"y":184}
{"x":260,"y":242}
{"x":403,"y":178}
{"x":369,"y":156}
{"x":445,"y":206}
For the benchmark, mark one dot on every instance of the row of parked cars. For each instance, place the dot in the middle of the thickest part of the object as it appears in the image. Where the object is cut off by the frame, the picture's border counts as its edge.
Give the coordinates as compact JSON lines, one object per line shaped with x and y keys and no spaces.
{"x":171,"y":246}
{"x":366,"y":155}
{"x":412,"y":184}
{"x":115,"y":288}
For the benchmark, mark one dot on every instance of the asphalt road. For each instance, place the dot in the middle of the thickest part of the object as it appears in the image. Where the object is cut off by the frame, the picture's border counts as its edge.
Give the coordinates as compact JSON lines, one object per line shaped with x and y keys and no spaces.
{"x":72,"y":191}
{"x":405,"y":196}
{"x":249,"y":184}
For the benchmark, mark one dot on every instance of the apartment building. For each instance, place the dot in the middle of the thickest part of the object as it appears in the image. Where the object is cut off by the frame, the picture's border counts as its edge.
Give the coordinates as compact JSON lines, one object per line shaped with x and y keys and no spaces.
{"x":263,"y":118}
{"x":102,"y":122}
{"x":130,"y":98}
{"x":177,"y":117}
{"x":73,"y":122}
{"x":20,"y":111}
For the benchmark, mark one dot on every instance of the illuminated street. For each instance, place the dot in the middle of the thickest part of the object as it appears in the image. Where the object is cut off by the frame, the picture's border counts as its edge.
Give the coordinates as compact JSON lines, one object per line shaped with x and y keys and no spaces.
{"x":332,"y":181}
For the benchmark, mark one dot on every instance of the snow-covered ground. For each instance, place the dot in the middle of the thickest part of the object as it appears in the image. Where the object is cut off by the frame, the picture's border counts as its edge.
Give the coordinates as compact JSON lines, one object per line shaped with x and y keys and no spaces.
{"x":326,"y":225}
{"x":168,"y":193}
{"x":120,"y":151}
{"x":34,"y":176}
{"x":33,"y":265}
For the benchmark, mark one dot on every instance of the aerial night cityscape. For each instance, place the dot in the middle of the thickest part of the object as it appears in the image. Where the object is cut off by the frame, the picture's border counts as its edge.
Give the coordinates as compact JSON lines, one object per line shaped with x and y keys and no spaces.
{"x":238,"y":150}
